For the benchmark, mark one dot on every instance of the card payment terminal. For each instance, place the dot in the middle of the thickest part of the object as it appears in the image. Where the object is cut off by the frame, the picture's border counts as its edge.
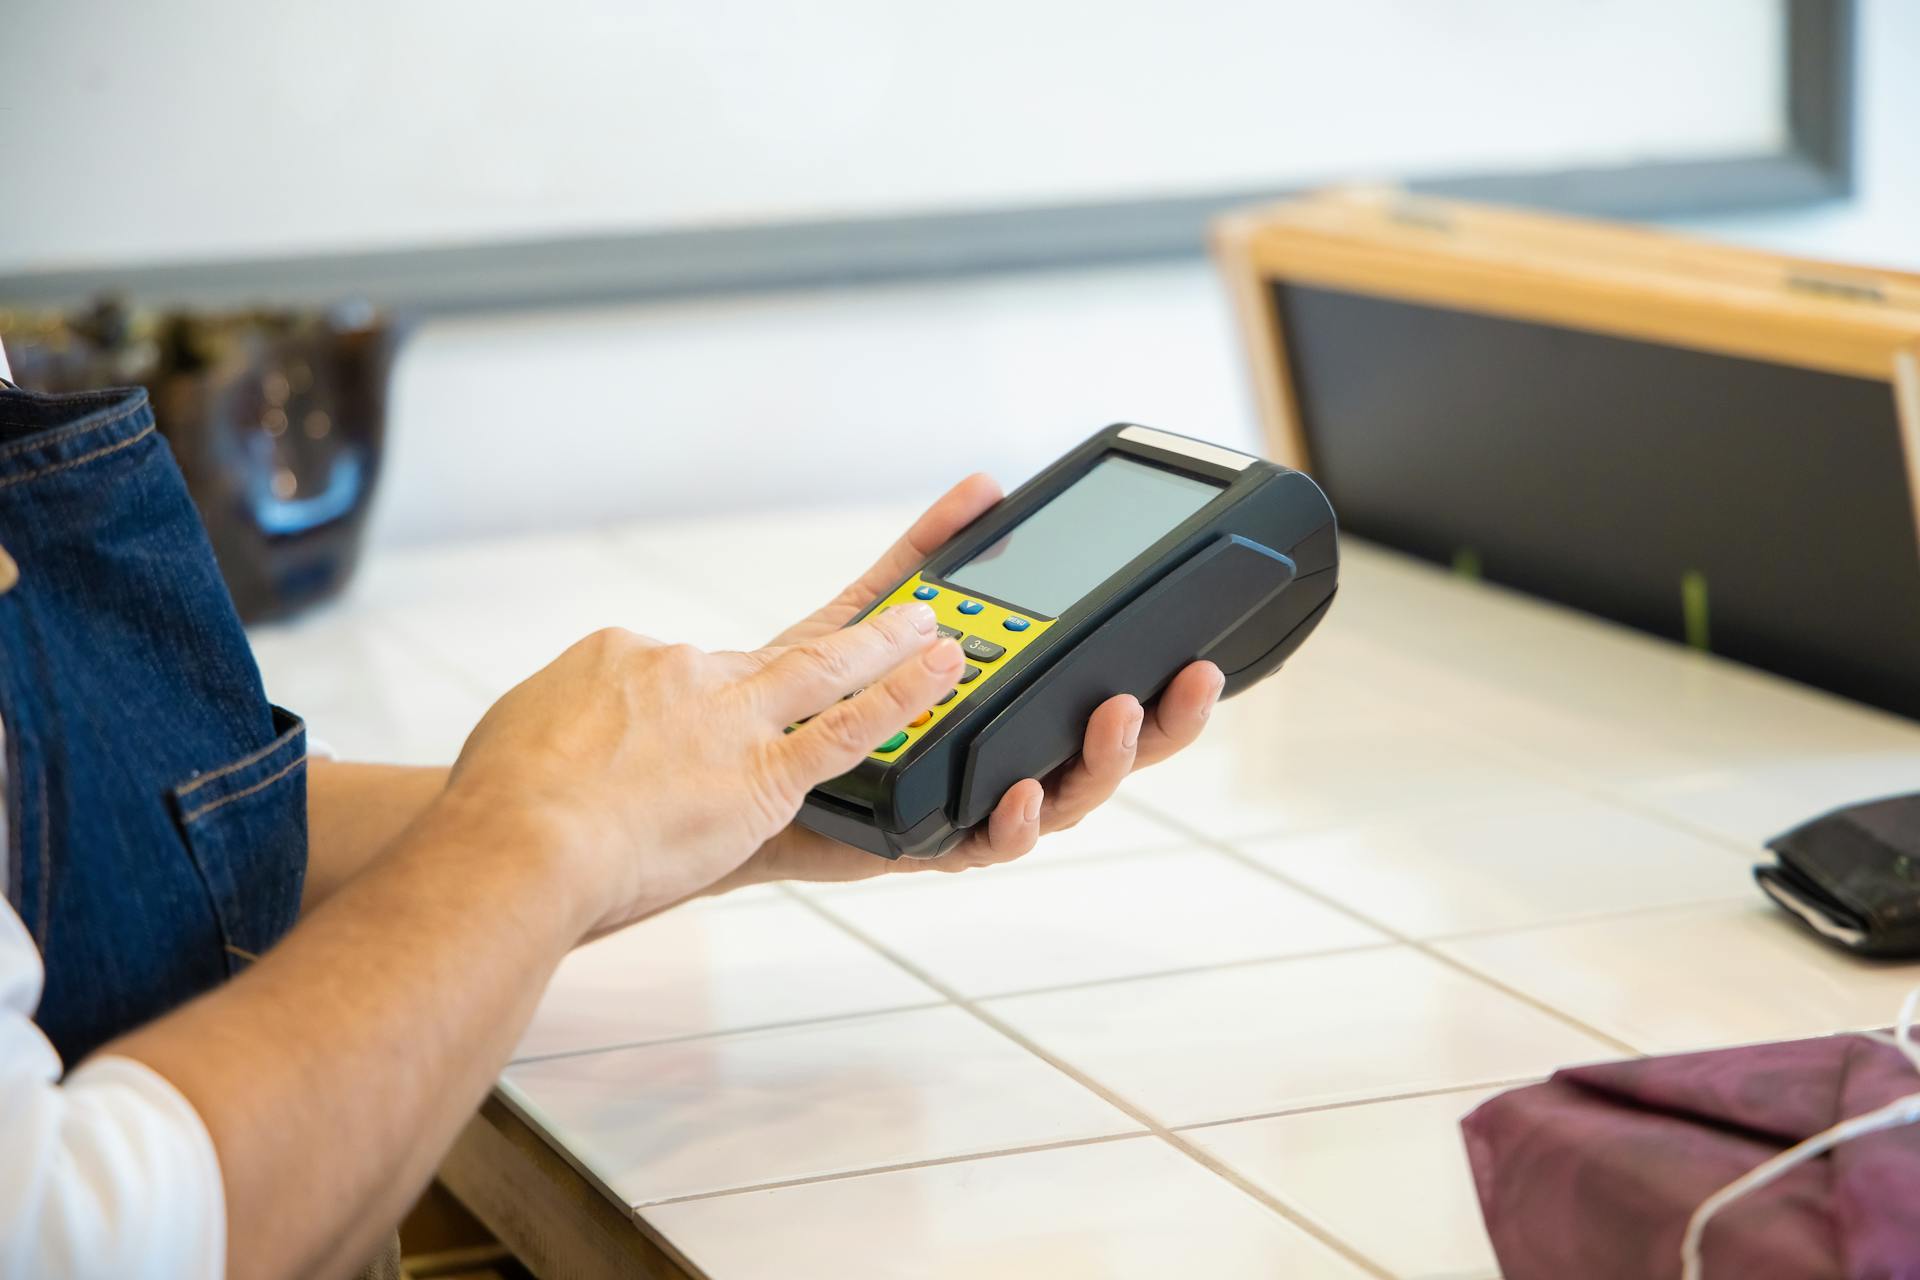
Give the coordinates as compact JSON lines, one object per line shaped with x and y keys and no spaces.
{"x":1137,"y":553}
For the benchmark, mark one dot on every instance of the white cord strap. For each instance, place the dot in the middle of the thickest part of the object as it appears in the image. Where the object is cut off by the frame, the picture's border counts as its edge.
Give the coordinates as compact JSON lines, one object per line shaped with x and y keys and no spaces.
{"x":1899,"y":1112}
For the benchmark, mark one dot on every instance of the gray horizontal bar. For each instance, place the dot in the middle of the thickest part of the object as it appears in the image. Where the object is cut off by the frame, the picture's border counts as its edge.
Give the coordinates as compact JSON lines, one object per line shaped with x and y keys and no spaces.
{"x":1658,"y":190}
{"x":802,"y":255}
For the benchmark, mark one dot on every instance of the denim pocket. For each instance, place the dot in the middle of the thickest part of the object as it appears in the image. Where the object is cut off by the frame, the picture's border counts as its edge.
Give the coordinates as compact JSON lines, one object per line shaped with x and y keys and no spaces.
{"x":245,"y":826}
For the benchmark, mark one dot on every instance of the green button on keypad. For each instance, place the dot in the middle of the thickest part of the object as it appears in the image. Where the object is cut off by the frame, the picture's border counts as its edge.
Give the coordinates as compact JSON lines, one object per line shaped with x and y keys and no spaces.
{"x":894,"y":743}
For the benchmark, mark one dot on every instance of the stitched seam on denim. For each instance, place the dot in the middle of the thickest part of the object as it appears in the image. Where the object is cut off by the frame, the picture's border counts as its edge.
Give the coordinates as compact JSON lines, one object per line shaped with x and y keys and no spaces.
{"x":242,"y":952}
{"x":13,"y":798}
{"x":188,"y":788}
{"x":70,"y":463}
{"x":60,"y":435}
{"x":46,"y":863}
{"x":244,"y":792}
{"x":36,"y":652}
{"x":107,"y":408}
{"x":15,"y":888}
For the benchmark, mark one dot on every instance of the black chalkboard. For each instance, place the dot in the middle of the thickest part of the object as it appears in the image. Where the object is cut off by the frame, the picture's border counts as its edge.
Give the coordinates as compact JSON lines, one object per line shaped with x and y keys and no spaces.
{"x":1604,"y":472}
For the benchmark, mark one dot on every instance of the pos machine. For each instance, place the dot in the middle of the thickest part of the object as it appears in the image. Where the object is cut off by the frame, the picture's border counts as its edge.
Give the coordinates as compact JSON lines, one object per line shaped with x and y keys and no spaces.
{"x":1137,"y":553}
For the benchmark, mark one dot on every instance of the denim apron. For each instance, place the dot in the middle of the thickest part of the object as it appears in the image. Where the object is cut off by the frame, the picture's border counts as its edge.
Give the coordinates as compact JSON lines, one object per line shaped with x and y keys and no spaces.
{"x":156,"y":800}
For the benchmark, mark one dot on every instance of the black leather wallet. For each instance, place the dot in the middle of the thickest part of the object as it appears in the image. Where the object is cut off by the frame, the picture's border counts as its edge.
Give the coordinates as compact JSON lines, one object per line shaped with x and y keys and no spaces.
{"x":1852,"y":876}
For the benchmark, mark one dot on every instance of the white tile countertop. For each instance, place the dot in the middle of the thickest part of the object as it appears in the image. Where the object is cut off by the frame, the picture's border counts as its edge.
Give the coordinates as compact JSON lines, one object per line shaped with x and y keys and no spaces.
{"x":1228,"y":1026}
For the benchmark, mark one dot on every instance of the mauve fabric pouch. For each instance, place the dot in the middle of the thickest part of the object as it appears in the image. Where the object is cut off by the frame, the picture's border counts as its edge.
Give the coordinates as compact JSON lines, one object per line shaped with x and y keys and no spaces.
{"x":1595,"y":1172}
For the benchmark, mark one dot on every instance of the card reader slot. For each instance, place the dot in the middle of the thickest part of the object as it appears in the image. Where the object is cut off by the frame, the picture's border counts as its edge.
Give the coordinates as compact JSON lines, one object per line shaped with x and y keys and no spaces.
{"x":842,"y":818}
{"x":1252,"y":652}
{"x":1138,"y":650}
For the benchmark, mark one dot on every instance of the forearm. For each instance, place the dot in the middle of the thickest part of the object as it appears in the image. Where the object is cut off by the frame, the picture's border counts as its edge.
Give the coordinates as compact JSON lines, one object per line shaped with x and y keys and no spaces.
{"x":354,"y":811}
{"x":335,"y":1072}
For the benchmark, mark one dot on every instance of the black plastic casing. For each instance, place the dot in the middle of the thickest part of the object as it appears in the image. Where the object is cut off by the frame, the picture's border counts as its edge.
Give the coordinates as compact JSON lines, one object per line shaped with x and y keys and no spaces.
{"x":1241,"y":582}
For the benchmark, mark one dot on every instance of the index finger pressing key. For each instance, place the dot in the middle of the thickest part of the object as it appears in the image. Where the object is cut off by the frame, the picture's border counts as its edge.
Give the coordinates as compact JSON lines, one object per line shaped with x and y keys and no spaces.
{"x":835,"y":740}
{"x":808,"y":677}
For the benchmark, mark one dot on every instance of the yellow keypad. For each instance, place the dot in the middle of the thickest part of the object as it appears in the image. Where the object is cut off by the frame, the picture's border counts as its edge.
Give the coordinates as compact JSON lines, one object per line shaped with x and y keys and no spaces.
{"x":985,"y":636}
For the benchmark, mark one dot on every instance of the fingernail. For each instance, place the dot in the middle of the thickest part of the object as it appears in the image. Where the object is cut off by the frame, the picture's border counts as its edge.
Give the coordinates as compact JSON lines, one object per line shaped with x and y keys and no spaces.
{"x":1033,"y":809}
{"x":1131,"y":738}
{"x":943,"y":657}
{"x":920,"y":615}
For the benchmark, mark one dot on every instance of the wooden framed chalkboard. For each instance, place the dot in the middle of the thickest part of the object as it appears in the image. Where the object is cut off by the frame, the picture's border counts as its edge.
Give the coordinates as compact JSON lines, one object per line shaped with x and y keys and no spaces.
{"x":1716,"y":445}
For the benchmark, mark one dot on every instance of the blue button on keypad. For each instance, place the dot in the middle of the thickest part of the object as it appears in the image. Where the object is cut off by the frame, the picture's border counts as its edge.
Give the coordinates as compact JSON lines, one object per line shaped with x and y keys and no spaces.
{"x":925,"y":593}
{"x":1016,"y":624}
{"x":971,"y":606}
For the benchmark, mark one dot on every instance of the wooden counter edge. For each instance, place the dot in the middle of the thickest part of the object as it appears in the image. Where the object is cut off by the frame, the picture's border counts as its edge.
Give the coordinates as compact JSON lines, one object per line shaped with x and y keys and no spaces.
{"x":543,"y":1209}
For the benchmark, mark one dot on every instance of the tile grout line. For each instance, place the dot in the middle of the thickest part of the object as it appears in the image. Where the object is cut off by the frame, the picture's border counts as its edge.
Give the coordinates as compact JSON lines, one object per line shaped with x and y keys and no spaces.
{"x":1568,"y":780}
{"x":1527,"y":761}
{"x":1353,"y":1104}
{"x":1559,"y":1015}
{"x":1614,"y":795}
{"x":530,"y":1115}
{"x":1650,"y":810}
{"x":941,"y":1001}
{"x":1137,"y":1114}
{"x":1514,"y":755}
{"x":853,"y":1015}
{"x":1350,"y":1104}
{"x":835,"y":890}
{"x":1617,"y":796}
{"x":827,"y":1019}
{"x":1593,"y":917}
{"x":790,"y":1024}
{"x":1246,"y":962}
{"x":904,"y":1166}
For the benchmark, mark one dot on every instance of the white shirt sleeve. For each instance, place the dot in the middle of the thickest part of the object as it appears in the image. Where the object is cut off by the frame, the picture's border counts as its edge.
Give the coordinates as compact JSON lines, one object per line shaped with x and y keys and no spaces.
{"x":109,"y":1173}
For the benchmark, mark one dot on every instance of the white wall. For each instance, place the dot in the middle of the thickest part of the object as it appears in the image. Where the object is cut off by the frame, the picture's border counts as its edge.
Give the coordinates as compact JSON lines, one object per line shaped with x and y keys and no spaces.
{"x":233,"y":128}
{"x":578,"y":418}
{"x":1881,"y":226}
{"x":511,"y":422}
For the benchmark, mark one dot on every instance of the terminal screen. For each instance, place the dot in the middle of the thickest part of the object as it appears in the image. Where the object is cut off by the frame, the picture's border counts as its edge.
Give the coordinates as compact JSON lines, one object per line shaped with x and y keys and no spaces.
{"x":1072,"y":544}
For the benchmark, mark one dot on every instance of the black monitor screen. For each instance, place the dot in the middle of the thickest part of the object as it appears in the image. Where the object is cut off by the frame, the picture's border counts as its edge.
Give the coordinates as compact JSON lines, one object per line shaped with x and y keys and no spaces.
{"x":1646,"y":482}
